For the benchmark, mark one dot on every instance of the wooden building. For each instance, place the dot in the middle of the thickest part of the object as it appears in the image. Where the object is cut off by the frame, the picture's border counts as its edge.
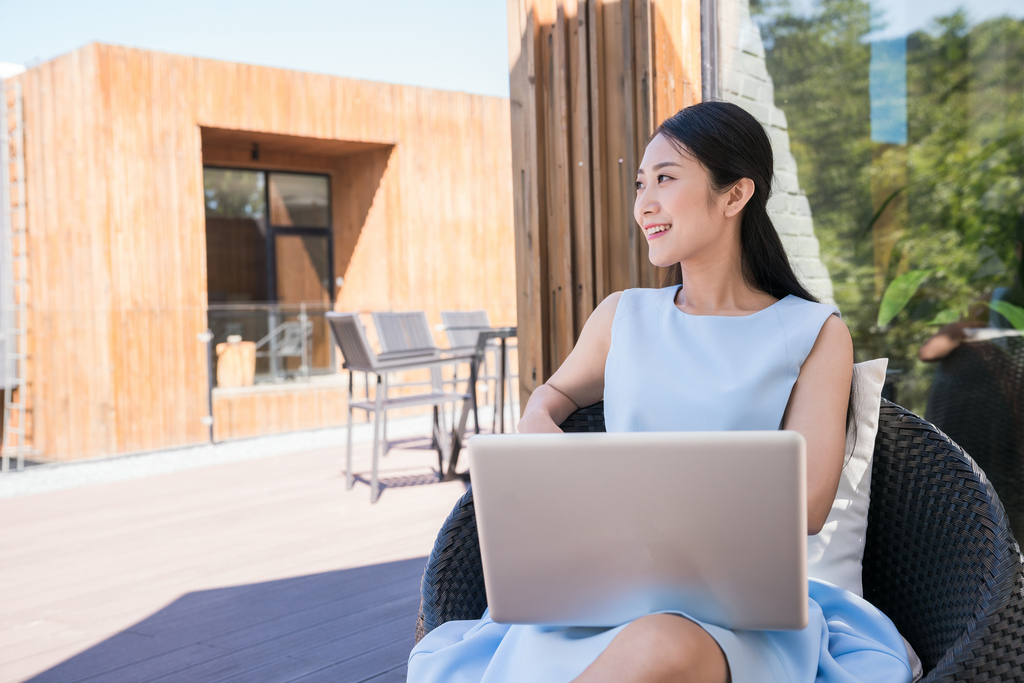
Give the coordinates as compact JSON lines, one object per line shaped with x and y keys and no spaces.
{"x":122,"y":262}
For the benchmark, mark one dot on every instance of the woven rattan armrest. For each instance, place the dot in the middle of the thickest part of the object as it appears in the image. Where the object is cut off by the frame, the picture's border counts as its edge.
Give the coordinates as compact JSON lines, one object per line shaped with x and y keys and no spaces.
{"x":940,"y":559}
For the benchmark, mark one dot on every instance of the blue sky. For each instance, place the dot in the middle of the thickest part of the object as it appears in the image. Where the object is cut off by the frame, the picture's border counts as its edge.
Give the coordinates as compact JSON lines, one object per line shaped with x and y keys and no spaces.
{"x":448,"y":44}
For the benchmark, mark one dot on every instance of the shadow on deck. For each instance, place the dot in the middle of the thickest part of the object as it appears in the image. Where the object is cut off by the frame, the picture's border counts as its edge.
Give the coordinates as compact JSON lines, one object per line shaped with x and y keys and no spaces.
{"x":341,"y":626}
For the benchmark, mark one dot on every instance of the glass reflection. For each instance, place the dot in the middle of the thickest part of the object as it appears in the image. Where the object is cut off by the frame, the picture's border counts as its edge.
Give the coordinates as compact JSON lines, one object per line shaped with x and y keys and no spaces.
{"x":234,"y":193}
{"x":299,"y":200}
{"x":302,"y":269}
{"x":905,"y":120}
{"x":236,"y":247}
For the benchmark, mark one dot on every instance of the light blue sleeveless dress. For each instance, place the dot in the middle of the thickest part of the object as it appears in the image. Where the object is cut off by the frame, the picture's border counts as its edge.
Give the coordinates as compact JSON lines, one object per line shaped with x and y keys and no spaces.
{"x":670,"y":371}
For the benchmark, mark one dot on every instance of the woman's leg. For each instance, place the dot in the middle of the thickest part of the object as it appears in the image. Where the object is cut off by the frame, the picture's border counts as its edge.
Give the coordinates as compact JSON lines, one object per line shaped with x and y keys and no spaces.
{"x":660,"y":648}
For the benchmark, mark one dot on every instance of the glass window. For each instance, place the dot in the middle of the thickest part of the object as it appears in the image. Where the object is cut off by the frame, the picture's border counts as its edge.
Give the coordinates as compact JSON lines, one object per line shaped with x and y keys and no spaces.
{"x":898,"y":129}
{"x":234,"y":193}
{"x":899,"y":132}
{"x":299,"y":200}
{"x":302,"y":269}
{"x":236,"y":246}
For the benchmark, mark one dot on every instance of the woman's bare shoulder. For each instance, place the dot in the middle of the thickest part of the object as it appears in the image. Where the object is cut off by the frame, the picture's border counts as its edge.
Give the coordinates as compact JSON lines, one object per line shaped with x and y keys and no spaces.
{"x":581,"y":375}
{"x":831,"y":357}
{"x":834,"y":338}
{"x":605,"y":310}
{"x":598,"y":327}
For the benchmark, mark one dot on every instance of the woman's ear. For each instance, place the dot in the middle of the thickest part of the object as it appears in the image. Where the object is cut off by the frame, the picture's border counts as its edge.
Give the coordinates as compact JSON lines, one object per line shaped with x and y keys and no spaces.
{"x":738,"y":196}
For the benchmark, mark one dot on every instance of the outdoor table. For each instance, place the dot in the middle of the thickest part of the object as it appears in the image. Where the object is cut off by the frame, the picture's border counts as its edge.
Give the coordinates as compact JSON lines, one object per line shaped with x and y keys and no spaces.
{"x":502,"y":334}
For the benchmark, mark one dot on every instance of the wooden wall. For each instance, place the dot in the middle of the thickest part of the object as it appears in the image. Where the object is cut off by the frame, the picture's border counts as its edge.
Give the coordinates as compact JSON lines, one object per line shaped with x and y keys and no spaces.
{"x":272,"y":409}
{"x":115,"y":149}
{"x":590,"y":81}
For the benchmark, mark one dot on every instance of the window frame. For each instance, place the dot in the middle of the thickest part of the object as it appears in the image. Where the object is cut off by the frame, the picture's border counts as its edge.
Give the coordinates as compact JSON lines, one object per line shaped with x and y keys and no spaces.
{"x":296,"y":230}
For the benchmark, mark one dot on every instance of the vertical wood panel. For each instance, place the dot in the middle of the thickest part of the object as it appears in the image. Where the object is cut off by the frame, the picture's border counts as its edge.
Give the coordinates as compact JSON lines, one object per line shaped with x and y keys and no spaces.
{"x":590,"y":79}
{"x":619,"y":160}
{"x":598,"y":153}
{"x":643,"y":51}
{"x":580,"y":164}
{"x":555,"y":57}
{"x":528,"y":186}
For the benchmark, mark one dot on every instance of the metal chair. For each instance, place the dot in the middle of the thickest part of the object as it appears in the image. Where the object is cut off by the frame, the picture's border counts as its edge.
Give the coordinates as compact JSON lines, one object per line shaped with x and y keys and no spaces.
{"x":351,"y":338}
{"x":463,"y":328}
{"x":940,"y":560}
{"x":407,"y":335}
{"x":404,"y":333}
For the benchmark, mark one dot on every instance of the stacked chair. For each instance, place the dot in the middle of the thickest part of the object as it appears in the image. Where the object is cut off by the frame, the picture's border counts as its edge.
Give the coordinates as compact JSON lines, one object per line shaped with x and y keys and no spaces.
{"x":463,"y":328}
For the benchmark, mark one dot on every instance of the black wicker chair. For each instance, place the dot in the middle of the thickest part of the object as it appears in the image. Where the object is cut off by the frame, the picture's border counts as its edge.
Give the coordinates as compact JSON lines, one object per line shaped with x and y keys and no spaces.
{"x":977,"y":398}
{"x":940,"y":560}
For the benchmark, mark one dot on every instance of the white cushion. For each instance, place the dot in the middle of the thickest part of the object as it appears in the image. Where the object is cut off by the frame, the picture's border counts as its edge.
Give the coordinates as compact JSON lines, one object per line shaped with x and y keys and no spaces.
{"x":836,"y":553}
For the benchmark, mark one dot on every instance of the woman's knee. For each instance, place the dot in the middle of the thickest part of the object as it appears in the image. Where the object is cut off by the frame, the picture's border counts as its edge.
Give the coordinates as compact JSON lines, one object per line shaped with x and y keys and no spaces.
{"x":673,"y":648}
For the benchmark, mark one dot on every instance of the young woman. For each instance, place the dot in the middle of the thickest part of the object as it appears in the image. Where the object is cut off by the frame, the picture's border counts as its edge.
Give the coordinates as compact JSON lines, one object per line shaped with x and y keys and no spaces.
{"x":735,"y":343}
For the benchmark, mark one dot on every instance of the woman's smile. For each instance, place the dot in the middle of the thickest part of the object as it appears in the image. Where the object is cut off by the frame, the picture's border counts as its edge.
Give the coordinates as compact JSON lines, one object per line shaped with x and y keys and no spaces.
{"x":655,"y":230}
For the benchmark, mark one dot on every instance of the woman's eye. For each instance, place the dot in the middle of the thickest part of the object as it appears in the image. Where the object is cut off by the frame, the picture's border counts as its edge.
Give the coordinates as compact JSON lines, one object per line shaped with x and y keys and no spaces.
{"x":662,"y":178}
{"x":639,"y":185}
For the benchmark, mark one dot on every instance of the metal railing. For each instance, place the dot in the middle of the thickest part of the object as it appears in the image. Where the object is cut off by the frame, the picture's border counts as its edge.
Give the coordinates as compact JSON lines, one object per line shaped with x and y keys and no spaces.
{"x":292,"y":340}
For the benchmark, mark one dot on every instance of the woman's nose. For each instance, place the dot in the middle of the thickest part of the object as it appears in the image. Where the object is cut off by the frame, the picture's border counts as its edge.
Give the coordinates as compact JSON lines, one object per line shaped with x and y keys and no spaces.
{"x":646,"y":205}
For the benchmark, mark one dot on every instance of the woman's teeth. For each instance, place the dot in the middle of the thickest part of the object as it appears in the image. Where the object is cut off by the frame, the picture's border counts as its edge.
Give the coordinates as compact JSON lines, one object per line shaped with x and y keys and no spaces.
{"x":657,"y":229}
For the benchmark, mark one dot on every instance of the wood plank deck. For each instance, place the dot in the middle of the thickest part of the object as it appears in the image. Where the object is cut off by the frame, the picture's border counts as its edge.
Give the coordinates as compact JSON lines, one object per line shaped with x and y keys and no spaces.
{"x":265,"y":570}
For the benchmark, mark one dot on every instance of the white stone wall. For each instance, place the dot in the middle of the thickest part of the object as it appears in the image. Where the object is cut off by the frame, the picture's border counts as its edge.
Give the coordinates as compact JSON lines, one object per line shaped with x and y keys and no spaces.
{"x":744,"y":80}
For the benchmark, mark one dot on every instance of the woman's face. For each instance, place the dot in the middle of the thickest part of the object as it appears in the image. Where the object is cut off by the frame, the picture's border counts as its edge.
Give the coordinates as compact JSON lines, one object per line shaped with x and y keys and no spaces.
{"x":675,"y":206}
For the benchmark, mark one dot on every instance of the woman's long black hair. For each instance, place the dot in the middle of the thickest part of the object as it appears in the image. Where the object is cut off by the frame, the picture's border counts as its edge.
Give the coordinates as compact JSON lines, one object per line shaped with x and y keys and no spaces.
{"x":730,"y":144}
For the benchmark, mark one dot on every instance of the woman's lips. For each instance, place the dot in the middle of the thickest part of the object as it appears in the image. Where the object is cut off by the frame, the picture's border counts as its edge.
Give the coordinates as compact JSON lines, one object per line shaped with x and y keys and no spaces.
{"x":661,"y":229}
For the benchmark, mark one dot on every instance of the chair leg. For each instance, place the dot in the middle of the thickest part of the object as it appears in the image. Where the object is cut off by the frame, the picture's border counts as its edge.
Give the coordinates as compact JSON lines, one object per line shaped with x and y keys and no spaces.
{"x":513,"y":400}
{"x":383,"y":386}
{"x":440,"y":439}
{"x":348,"y":453}
{"x":488,"y":397}
{"x":436,"y":434}
{"x":374,"y":488}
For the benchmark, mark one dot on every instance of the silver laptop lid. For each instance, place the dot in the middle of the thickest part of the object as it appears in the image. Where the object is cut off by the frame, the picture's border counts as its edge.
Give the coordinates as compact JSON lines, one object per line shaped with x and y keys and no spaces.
{"x":599,"y":529}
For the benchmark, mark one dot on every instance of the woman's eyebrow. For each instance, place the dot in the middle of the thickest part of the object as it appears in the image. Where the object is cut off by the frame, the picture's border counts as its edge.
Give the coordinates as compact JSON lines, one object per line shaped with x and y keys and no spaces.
{"x":662,"y":164}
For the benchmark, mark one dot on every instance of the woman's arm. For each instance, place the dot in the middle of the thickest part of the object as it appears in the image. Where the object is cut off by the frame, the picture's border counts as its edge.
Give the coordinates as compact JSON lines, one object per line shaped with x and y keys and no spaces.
{"x":579,"y":381}
{"x":947,"y":339}
{"x":817,"y":409}
{"x":943,"y":343}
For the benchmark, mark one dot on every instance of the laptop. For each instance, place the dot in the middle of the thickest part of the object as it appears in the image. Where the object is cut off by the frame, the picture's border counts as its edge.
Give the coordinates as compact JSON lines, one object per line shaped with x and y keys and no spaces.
{"x":599,"y":529}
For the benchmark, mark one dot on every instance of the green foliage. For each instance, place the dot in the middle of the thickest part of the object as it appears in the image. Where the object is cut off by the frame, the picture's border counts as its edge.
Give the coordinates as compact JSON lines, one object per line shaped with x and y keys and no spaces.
{"x":945,"y":317}
{"x":878,"y":213}
{"x":234,"y":193}
{"x":1015,"y":314}
{"x":898,"y":294}
{"x":958,"y":183}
